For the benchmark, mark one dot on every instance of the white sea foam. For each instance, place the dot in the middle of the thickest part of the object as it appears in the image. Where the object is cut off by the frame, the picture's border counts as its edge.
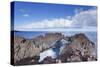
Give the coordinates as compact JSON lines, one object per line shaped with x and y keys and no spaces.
{"x":47,"y":53}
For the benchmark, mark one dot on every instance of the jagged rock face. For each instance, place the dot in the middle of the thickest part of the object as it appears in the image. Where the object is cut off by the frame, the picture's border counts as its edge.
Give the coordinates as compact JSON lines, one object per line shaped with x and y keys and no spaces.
{"x":80,"y":49}
{"x":24,"y":48}
{"x":76,"y":48}
{"x":47,"y":40}
{"x":83,"y":44}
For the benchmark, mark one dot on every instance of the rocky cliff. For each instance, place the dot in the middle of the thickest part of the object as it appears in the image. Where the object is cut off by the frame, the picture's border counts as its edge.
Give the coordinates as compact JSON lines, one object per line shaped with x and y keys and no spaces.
{"x":24,"y":48}
{"x":78,"y":48}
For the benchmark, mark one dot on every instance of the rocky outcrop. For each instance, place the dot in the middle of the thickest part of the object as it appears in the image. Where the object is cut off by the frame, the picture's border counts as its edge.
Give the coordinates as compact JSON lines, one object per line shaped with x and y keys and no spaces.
{"x":76,"y":48}
{"x":80,"y":49}
{"x":24,"y":48}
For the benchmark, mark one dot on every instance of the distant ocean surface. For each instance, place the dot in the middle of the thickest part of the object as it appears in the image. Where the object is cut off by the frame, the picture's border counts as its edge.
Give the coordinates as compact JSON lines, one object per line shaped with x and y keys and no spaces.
{"x":31,"y":34}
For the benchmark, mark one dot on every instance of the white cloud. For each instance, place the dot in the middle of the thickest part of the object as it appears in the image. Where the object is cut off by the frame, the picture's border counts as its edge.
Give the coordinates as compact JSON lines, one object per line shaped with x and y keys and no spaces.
{"x":85,"y":19}
{"x":55,"y":23}
{"x":25,"y":15}
{"x":82,"y":19}
{"x":22,"y":10}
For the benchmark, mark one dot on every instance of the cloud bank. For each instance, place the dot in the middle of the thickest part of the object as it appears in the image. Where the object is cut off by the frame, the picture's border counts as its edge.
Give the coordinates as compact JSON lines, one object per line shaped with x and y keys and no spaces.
{"x":84,"y":20}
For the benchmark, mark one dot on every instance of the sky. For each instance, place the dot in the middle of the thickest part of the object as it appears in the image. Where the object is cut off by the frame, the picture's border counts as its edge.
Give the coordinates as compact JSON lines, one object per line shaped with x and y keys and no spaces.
{"x":29,"y":16}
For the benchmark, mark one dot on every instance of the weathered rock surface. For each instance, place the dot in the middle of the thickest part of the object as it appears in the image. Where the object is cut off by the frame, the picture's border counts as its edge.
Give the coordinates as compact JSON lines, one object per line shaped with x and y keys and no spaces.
{"x":24,"y":48}
{"x":78,"y":48}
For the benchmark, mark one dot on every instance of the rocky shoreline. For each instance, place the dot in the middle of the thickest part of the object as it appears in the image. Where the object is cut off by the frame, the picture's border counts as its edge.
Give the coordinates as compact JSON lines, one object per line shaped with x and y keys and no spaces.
{"x":76,"y":48}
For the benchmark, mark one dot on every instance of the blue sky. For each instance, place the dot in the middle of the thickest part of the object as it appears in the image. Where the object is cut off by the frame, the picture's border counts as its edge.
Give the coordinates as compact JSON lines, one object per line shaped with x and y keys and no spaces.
{"x":28,"y":14}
